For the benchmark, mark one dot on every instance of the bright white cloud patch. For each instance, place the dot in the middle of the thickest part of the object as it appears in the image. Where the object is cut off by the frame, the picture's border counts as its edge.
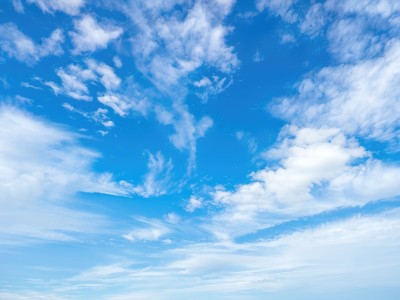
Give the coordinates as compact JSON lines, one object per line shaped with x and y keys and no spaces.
{"x":42,"y":168}
{"x":354,"y":97}
{"x":89,"y":35}
{"x":21,"y":47}
{"x":169,"y":47}
{"x":317,"y":170}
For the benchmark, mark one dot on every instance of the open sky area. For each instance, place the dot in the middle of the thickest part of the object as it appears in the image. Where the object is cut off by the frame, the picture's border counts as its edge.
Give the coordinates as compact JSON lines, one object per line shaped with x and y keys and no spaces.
{"x":199,"y":149}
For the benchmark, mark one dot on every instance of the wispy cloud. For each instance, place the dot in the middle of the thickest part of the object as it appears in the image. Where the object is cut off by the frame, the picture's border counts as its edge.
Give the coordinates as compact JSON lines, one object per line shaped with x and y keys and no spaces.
{"x":70,"y":7}
{"x":43,"y":167}
{"x":21,"y":47}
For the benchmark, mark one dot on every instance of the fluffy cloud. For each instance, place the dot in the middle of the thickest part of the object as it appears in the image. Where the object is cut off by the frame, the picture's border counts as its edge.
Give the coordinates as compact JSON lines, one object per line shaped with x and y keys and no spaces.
{"x":361,"y":99}
{"x":70,"y":7}
{"x":42,"y":168}
{"x":168,"y":47}
{"x":90,"y":36}
{"x":310,"y":171}
{"x":20,"y":46}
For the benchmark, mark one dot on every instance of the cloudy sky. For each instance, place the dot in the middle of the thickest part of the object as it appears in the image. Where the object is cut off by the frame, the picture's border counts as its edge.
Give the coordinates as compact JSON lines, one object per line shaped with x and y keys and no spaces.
{"x":199,"y":149}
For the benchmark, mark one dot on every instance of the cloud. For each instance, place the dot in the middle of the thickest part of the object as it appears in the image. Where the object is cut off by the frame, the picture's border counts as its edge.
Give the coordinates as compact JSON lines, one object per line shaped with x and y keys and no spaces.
{"x":21,"y":47}
{"x":353,"y":97}
{"x":358,"y":253}
{"x":310,"y":171}
{"x":157,"y":180}
{"x":74,"y":79}
{"x":279,"y":8}
{"x":43,"y":167}
{"x":70,"y":7}
{"x":99,"y":115}
{"x":154,"y":231}
{"x":193,"y":204}
{"x":248,"y":140}
{"x":187,"y":129}
{"x":90,"y":36}
{"x":18,"y":6}
{"x":124,"y":105}
{"x":168,"y":47}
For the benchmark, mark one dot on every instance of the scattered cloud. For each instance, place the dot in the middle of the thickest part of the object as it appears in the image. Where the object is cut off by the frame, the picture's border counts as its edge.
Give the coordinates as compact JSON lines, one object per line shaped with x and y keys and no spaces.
{"x":70,"y":7}
{"x":21,"y":47}
{"x":279,"y":8}
{"x":74,"y":79}
{"x":193,"y":204}
{"x":89,"y":35}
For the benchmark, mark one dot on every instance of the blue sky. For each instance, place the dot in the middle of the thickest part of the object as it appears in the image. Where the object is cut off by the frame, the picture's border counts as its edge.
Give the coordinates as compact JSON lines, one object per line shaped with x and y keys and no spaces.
{"x":199,"y":149}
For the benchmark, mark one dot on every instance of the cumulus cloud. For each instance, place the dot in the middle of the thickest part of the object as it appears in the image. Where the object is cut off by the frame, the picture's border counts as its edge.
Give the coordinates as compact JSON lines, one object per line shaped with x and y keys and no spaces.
{"x":43,"y":167}
{"x":89,"y":35}
{"x":21,"y":47}
{"x":70,"y":7}
{"x":310,"y":171}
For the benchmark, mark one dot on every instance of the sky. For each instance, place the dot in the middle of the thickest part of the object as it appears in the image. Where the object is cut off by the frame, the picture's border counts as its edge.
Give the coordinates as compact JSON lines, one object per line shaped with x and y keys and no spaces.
{"x":199,"y":149}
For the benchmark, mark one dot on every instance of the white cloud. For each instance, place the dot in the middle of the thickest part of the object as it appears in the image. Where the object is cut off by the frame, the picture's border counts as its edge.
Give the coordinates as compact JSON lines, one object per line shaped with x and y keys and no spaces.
{"x":170,"y":46}
{"x":158,"y":179}
{"x":248,"y":140}
{"x":210,"y":87}
{"x":20,"y":46}
{"x":258,"y":57}
{"x":99,"y":115}
{"x":117,"y":62}
{"x":314,"y":170}
{"x":70,"y":7}
{"x":314,"y":20}
{"x":172,"y":218}
{"x":154,"y":231}
{"x":361,"y":99}
{"x":187,"y":129}
{"x":356,"y":253}
{"x":43,"y":167}
{"x":90,"y":35}
{"x":279,"y":8}
{"x":193,"y":204}
{"x":74,"y":79}
{"x":124,"y":105}
{"x":349,"y":41}
{"x":18,"y":6}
